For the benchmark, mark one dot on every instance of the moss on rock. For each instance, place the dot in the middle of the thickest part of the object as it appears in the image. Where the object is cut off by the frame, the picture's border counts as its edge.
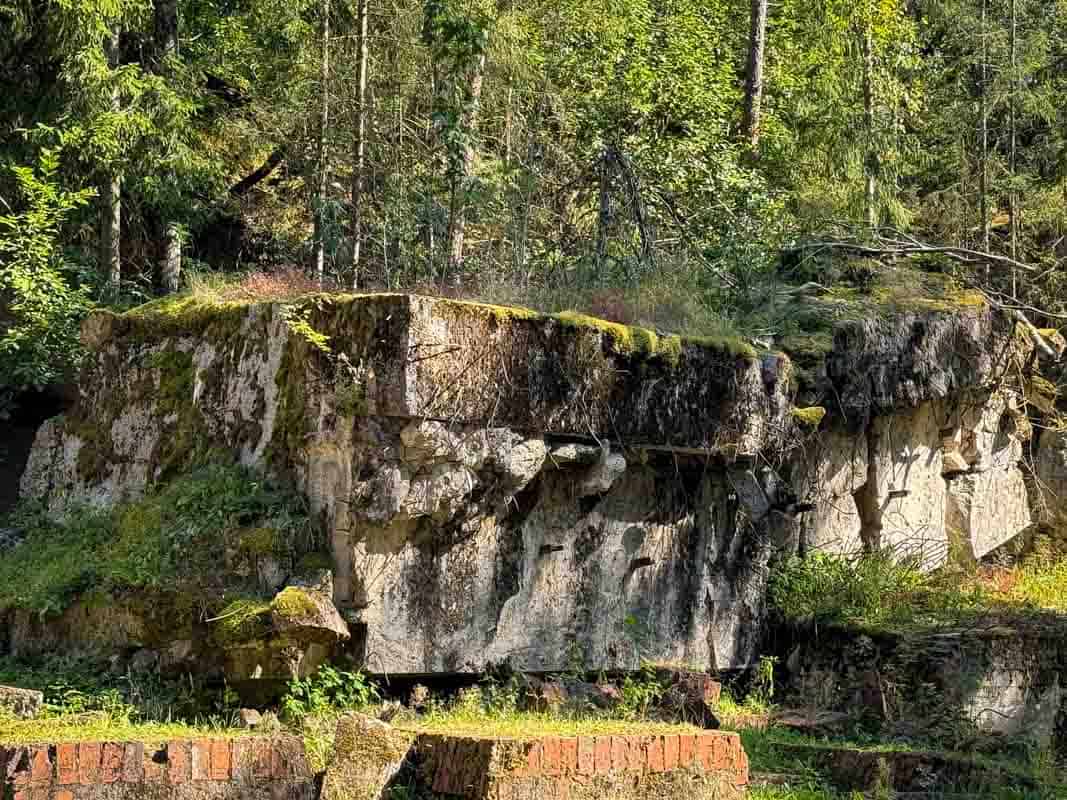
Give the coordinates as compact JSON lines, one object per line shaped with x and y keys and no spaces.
{"x":294,"y":603}
{"x":809,"y":417}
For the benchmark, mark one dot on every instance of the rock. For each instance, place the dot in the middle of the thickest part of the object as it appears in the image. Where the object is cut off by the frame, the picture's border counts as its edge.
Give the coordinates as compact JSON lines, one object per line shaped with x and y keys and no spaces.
{"x":250,"y":718}
{"x":813,"y":722}
{"x":271,"y":573}
{"x":690,"y":697}
{"x":600,"y":477}
{"x":22,"y":703}
{"x":305,"y":629}
{"x":570,"y":696}
{"x":367,"y":755}
{"x":178,"y":655}
{"x":307,"y":614}
{"x":143,"y":661}
{"x":420,"y":697}
{"x":567,"y":455}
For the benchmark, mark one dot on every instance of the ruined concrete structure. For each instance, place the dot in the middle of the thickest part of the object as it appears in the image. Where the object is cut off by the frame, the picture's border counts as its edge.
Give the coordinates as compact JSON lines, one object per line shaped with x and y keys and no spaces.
{"x":500,"y":485}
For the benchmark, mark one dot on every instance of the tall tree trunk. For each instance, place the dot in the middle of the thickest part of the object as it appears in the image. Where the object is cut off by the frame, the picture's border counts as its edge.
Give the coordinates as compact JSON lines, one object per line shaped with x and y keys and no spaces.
{"x":983,"y":112}
{"x":1013,"y":219}
{"x":171,"y":266}
{"x":754,"y":81}
{"x":359,"y":143}
{"x":166,"y":46}
{"x":324,"y":124}
{"x":604,"y":217}
{"x":870,"y":160}
{"x":111,"y":191}
{"x":461,"y":183}
{"x":165,"y":13}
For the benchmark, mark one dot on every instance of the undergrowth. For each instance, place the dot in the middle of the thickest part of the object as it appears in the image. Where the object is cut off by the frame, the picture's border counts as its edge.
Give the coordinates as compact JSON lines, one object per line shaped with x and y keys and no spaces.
{"x":85,"y":698}
{"x":176,"y":535}
{"x":879,"y":590}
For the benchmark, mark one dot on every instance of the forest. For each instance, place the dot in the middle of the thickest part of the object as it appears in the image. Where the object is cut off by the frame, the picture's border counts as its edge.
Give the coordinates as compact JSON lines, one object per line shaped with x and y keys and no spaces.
{"x":644,"y":160}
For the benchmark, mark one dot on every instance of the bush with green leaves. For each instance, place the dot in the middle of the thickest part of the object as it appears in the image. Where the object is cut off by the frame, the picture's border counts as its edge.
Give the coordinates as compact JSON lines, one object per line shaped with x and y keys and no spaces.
{"x":40,"y":307}
{"x":328,"y":690}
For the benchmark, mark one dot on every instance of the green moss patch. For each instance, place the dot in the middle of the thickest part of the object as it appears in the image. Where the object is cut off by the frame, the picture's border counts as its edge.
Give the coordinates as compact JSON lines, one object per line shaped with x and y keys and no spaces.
{"x":176,"y":536}
{"x":293,"y":603}
{"x":243,"y":619}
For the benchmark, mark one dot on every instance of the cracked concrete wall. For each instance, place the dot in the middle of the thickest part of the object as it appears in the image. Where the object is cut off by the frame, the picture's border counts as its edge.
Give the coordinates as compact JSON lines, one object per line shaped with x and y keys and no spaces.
{"x":943,"y":480}
{"x":499,"y":485}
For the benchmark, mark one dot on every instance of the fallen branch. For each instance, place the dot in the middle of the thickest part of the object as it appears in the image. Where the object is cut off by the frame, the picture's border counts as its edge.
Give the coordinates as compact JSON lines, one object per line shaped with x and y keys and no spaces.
{"x":961,"y":254}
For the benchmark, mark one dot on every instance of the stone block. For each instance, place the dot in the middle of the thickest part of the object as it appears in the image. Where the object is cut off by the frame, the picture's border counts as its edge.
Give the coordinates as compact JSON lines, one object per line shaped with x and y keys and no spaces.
{"x":23,"y":703}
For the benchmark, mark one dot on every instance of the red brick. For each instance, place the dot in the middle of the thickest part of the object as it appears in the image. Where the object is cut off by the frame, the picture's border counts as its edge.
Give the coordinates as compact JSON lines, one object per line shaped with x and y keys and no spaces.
{"x":179,"y":762}
{"x":111,"y":763}
{"x":242,"y":758}
{"x":40,"y":765}
{"x":742,"y":768}
{"x":687,"y":750}
{"x":220,"y":760}
{"x":706,"y":751}
{"x":261,"y":754}
{"x":66,"y":764}
{"x":586,"y":755}
{"x":602,"y":755}
{"x":153,"y":763}
{"x":133,"y":763}
{"x":721,"y":758}
{"x":551,"y":756}
{"x":636,"y":748}
{"x":533,"y":759}
{"x":671,"y":748}
{"x":63,"y":794}
{"x":569,"y":747}
{"x":620,"y":754}
{"x":201,"y":760}
{"x":89,"y":754}
{"x":654,"y":748}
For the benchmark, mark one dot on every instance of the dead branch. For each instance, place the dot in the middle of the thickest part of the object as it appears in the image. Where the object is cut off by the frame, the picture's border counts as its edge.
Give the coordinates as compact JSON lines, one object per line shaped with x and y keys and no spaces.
{"x":894,"y":248}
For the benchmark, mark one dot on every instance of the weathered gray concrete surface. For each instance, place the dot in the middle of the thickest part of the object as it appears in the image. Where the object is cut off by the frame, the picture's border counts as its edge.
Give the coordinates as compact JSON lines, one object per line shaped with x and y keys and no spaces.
{"x":504,"y":486}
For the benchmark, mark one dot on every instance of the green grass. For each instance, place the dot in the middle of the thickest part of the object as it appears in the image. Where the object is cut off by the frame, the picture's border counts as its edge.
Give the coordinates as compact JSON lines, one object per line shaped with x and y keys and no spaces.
{"x":528,"y":725}
{"x":174,"y":536}
{"x":82,"y":728}
{"x":878,"y":591}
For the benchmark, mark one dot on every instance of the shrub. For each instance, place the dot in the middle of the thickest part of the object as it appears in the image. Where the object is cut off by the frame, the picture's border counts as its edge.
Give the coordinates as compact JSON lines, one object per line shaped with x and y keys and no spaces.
{"x":328,"y":690}
{"x":40,"y":309}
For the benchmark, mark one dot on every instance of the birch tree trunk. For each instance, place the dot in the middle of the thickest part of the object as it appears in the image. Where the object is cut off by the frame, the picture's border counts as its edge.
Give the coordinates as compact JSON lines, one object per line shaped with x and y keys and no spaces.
{"x":171,"y":266}
{"x":111,"y":191}
{"x":324,"y":123}
{"x":166,"y":45}
{"x":461,"y":185}
{"x":359,"y":143}
{"x":754,"y":80}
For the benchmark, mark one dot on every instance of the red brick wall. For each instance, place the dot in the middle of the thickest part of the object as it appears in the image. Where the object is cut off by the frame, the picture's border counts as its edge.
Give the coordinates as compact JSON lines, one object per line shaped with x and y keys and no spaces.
{"x":236,"y":768}
{"x":471,"y":767}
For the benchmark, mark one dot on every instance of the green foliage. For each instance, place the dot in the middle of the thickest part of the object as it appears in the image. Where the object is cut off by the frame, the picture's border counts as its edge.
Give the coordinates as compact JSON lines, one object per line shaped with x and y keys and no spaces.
{"x":640,"y":693}
{"x":175,"y":536}
{"x":882,"y":591}
{"x":829,"y":588}
{"x":84,"y":693}
{"x":328,"y":690}
{"x":40,"y":307}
